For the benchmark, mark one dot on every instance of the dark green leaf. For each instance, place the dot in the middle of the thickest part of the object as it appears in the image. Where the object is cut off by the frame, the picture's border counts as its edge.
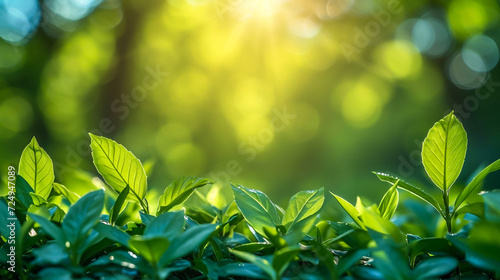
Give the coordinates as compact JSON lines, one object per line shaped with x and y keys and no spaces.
{"x":168,"y":225}
{"x":187,"y":242}
{"x":23,"y":190}
{"x":112,"y":234}
{"x":82,"y":216}
{"x":118,"y":206}
{"x":434,"y":267}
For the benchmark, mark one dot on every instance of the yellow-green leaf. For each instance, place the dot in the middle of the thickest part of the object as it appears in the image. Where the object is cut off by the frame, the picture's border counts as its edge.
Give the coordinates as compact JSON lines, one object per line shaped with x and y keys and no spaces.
{"x":37,"y":169}
{"x":443,"y":151}
{"x":119,"y":167}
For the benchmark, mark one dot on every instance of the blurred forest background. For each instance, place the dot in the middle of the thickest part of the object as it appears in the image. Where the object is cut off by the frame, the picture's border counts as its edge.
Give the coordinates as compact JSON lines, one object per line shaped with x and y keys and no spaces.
{"x":275,"y":95}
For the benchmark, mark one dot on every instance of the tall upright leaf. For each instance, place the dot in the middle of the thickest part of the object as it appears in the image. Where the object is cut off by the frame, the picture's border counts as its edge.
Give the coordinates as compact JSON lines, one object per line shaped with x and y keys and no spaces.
{"x":119,"y":167}
{"x":303,"y":205}
{"x":350,"y":210}
{"x":443,"y":151}
{"x":389,"y":202}
{"x":300,"y":216}
{"x":178,"y":191}
{"x":257,"y":208}
{"x":37,"y":169}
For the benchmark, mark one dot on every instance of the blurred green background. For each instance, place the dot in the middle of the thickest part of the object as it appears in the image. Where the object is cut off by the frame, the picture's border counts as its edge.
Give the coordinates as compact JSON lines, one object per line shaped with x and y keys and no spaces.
{"x":271,"y":94}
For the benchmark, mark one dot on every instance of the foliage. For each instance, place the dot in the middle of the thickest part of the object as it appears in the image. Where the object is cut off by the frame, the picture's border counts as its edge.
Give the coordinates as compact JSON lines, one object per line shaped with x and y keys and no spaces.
{"x":102,"y":235}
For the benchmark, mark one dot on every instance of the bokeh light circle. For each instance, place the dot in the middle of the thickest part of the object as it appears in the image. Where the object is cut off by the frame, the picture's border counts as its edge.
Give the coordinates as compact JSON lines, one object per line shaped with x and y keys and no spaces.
{"x":480,"y":53}
{"x":463,"y":76}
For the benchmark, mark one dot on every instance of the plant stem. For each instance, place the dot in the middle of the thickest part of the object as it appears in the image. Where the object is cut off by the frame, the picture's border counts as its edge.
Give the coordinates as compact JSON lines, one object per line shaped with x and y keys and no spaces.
{"x":447,"y":216}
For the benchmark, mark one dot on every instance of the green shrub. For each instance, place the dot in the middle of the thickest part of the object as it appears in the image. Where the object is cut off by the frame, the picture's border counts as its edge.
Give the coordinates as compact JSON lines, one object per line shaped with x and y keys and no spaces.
{"x":111,"y":232}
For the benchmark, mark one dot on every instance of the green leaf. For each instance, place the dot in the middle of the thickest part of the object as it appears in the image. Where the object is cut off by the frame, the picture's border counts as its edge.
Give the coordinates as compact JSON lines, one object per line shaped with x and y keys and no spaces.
{"x":259,"y":211}
{"x":49,"y":228}
{"x":59,"y":189}
{"x":23,"y":190}
{"x":412,"y":189}
{"x":374,"y":221}
{"x":283,"y":257}
{"x":274,"y":237}
{"x":168,"y":225}
{"x":119,"y":167}
{"x":492,"y":206}
{"x":54,"y":273}
{"x":253,"y":247}
{"x":349,"y":260}
{"x":262,"y":263}
{"x":389,"y":202}
{"x":443,"y":151}
{"x":476,"y":183}
{"x":482,"y":247}
{"x":476,"y":208}
{"x":37,"y":169}
{"x":150,"y":247}
{"x":350,"y":210}
{"x":82,"y":216}
{"x":434,"y":267}
{"x":37,"y":199}
{"x":112,"y":234}
{"x":118,"y":206}
{"x":300,"y":215}
{"x":178,"y":191}
{"x":187,"y":242}
{"x":50,"y":254}
{"x":429,"y":245}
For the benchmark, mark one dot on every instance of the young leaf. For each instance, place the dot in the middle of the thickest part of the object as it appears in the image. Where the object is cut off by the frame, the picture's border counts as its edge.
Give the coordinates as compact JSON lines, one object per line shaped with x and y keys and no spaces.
{"x":37,"y":199}
{"x":119,"y":167}
{"x":389,"y":202}
{"x":412,"y":189}
{"x":257,"y":208}
{"x":443,"y":151}
{"x":350,"y":210}
{"x":82,"y":216}
{"x":475,"y":183}
{"x":37,"y":169}
{"x":59,"y":189}
{"x":301,"y":213}
{"x":302,"y":206}
{"x":178,"y":191}
{"x":118,"y":206}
